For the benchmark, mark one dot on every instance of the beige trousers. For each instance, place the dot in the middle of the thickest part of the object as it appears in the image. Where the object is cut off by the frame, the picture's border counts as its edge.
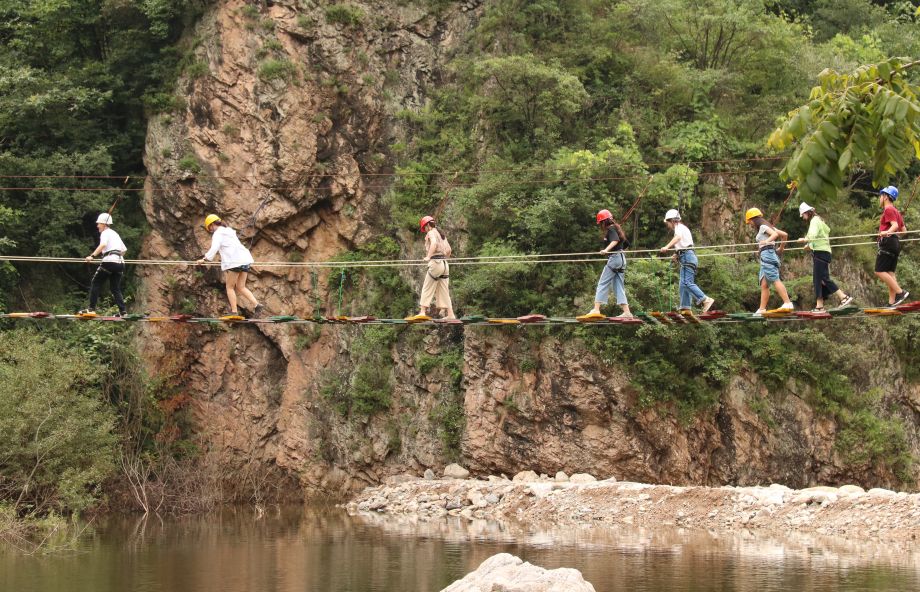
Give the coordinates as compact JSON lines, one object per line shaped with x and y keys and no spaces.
{"x":436,"y":289}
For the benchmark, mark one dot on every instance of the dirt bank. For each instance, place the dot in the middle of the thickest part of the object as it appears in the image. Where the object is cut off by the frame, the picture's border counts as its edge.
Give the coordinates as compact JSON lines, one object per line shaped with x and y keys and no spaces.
{"x":877,"y":514}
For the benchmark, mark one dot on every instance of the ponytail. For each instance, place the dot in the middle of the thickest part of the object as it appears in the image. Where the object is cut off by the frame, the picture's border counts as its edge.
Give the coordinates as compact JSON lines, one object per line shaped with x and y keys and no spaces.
{"x":620,"y":233}
{"x":621,"y":236}
{"x":440,"y":232}
{"x":761,"y":221}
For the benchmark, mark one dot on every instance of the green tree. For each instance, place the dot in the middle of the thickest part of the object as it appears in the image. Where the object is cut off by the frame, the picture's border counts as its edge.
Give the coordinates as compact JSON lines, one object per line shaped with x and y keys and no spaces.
{"x":56,"y":432}
{"x":525,"y":101}
{"x":867,"y":118}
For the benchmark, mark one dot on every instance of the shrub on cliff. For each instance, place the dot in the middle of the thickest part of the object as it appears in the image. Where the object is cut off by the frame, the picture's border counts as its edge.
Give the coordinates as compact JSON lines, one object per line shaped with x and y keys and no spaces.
{"x":57,"y":439}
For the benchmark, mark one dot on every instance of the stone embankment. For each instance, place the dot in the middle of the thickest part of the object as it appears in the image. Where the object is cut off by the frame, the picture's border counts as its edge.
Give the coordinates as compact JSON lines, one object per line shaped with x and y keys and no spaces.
{"x":876,"y":514}
{"x":508,"y":573}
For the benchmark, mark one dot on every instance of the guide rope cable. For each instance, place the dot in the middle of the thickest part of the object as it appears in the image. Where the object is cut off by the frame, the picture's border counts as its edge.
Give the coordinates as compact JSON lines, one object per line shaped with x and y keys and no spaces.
{"x":575,"y":257}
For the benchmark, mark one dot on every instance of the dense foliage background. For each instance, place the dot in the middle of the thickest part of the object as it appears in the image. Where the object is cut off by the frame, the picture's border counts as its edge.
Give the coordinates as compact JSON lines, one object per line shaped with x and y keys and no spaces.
{"x":554,"y":109}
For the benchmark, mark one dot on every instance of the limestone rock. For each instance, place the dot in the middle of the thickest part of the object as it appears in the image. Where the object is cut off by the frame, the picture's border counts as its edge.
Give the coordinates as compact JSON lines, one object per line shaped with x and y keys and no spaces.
{"x":561,"y":476}
{"x":881,"y":491}
{"x":429,"y":475}
{"x":526,"y":476}
{"x":455,"y":471}
{"x":400,"y":478}
{"x":507,"y":573}
{"x":582,"y":478}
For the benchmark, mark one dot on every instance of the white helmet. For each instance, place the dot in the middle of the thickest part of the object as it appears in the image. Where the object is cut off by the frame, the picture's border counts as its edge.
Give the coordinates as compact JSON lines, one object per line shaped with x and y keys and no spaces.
{"x":672,"y":215}
{"x":104,"y":219}
{"x":804,"y":207}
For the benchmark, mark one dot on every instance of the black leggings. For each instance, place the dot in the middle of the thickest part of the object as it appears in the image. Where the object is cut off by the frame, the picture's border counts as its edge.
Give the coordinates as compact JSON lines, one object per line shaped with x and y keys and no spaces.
{"x":113,"y":272}
{"x":821,"y":274}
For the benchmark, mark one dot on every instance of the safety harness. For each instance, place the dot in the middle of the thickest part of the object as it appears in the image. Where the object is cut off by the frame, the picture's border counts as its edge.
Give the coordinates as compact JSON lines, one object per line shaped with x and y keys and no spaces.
{"x":680,"y":258}
{"x":883,"y":251}
{"x":439,"y":277}
{"x":621,"y":269}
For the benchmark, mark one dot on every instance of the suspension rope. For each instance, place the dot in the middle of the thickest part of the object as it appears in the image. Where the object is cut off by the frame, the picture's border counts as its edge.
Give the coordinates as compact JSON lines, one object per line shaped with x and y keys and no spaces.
{"x":141,"y":178}
{"x":475,"y":260}
{"x":779,"y":212}
{"x":467,"y":184}
{"x":638,"y":199}
{"x":913,"y":192}
{"x":338,"y":309}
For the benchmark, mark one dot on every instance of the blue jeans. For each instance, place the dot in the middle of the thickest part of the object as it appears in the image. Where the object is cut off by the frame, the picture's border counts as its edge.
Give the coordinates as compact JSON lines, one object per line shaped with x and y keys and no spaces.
{"x":614,"y":275}
{"x":769,"y":266}
{"x":689,"y":292}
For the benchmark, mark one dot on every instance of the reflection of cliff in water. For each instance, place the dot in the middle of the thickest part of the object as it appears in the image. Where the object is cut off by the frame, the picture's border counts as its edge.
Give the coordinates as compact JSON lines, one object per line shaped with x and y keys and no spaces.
{"x":809,"y":551}
{"x":321,"y":548}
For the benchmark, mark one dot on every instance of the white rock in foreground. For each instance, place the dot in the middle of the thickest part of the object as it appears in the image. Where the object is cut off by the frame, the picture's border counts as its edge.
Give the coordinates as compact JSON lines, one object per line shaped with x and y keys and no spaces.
{"x":508,"y":573}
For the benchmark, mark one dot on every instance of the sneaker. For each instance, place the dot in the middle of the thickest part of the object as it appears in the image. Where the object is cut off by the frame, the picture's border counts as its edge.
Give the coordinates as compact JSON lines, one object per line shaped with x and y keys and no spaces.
{"x":759,"y":312}
{"x":900,"y":298}
{"x":846,"y":302}
{"x":819,"y":309}
{"x":119,"y":314}
{"x":86,"y":311}
{"x":707,"y":304}
{"x":787,"y":306}
{"x":258,"y":310}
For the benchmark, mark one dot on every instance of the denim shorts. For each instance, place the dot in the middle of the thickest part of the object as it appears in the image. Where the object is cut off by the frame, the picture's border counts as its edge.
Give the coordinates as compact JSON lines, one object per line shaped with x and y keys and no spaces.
{"x":769,"y":265}
{"x":241,"y":269}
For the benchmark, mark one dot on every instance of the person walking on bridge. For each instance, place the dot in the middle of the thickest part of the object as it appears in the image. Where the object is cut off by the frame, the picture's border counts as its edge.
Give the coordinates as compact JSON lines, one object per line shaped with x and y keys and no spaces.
{"x":817,"y":240}
{"x":235,"y":261}
{"x":768,"y":254}
{"x":613,"y":277}
{"x":112,"y":266}
{"x":436,"y":285}
{"x":682,"y":242}
{"x":889,"y":246}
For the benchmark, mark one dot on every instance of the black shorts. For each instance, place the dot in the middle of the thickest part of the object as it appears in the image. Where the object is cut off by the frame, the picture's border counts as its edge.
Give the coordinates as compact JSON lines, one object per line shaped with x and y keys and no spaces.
{"x":888,"y":250}
{"x":240,"y":269}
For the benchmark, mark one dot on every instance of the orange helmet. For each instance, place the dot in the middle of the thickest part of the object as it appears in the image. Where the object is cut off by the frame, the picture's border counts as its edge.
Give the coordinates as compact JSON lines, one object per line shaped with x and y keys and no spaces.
{"x":604,"y":215}
{"x":424,"y":222}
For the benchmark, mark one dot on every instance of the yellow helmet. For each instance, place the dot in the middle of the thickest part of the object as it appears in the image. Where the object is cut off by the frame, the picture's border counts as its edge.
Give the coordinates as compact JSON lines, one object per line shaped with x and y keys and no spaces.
{"x":752,"y":213}
{"x":211,"y":219}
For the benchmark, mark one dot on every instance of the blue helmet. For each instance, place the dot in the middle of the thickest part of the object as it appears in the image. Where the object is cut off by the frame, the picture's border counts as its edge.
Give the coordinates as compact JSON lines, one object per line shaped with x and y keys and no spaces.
{"x":891,"y":191}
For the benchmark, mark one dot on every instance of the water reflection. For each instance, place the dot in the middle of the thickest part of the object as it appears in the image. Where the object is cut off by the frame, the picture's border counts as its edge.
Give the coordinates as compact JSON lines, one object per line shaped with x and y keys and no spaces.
{"x":323,"y":549}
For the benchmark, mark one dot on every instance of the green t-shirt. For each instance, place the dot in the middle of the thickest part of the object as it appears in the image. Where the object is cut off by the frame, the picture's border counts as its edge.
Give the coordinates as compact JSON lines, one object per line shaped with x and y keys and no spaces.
{"x":818,"y":235}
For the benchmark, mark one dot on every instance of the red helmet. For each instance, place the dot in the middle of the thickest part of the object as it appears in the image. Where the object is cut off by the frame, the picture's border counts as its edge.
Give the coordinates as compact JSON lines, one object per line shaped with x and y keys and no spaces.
{"x":604,"y":215}
{"x":424,"y":222}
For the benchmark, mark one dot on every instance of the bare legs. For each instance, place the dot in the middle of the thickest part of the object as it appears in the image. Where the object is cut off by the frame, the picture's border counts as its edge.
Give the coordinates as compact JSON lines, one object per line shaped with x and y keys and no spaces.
{"x":891,"y":282}
{"x":765,"y":292}
{"x":235,"y":283}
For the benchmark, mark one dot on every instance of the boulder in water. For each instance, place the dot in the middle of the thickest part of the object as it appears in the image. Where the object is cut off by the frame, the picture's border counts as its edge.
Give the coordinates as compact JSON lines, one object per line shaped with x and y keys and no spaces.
{"x":508,"y":573}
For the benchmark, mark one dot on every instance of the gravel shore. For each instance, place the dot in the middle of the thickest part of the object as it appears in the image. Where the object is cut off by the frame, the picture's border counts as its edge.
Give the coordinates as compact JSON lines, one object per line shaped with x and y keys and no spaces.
{"x":847,"y":511}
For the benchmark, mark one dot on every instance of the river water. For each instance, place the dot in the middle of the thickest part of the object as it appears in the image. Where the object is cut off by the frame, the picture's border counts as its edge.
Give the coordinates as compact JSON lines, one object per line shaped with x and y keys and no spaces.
{"x":322,"y":549}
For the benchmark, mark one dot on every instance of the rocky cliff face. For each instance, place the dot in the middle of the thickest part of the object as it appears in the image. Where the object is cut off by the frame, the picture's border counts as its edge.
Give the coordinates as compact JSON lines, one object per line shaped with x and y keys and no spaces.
{"x":286,"y":132}
{"x":566,"y":410}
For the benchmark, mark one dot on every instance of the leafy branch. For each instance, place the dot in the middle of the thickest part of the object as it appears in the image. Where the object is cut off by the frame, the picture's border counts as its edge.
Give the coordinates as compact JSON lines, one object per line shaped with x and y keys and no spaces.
{"x":868,"y":118}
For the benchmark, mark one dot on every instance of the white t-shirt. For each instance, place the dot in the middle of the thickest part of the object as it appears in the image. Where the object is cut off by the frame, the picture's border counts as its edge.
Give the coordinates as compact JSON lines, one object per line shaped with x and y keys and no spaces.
{"x":685,"y":239}
{"x":232,"y":252}
{"x":110,"y":241}
{"x":763,"y":233}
